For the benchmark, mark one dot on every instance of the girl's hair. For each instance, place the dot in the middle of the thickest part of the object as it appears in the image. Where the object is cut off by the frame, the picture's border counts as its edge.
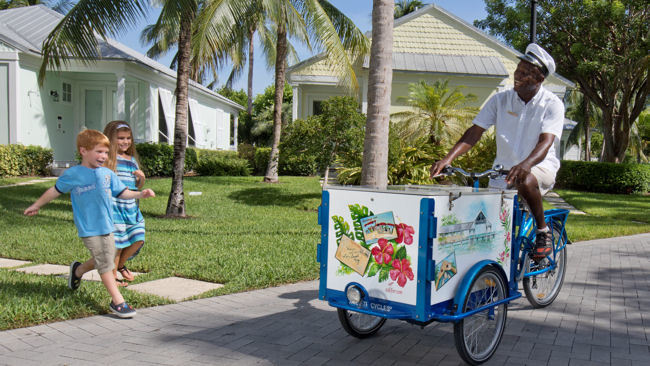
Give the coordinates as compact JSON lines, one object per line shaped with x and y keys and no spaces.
{"x":88,"y":139}
{"x":111,"y":130}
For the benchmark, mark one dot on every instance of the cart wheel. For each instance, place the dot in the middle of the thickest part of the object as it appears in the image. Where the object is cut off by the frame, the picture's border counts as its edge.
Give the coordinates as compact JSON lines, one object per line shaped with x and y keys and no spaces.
{"x":478,"y":336}
{"x":541,"y":290}
{"x":358,"y":324}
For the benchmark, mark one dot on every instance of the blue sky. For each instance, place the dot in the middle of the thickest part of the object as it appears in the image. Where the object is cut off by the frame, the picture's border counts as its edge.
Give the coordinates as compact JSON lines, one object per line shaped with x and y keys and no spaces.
{"x":358,"y":10}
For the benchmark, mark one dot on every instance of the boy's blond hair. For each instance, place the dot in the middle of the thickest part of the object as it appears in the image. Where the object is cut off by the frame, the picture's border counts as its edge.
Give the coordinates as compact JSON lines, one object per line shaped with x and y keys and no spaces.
{"x":88,"y":139}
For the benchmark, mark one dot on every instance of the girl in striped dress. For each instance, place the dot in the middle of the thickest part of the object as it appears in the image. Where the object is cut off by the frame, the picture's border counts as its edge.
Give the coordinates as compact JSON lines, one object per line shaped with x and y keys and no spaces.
{"x":128,"y":220}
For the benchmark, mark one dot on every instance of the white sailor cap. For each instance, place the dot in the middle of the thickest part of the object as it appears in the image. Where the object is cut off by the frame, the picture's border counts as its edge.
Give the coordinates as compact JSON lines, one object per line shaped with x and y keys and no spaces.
{"x":537,"y":56}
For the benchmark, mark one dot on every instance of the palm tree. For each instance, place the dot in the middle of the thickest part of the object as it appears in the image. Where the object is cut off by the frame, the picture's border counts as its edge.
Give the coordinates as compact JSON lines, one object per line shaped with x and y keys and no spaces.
{"x":587,"y":115}
{"x":374,"y":171}
{"x":439,"y":113}
{"x":403,"y":7}
{"x":75,"y":37}
{"x":314,"y":22}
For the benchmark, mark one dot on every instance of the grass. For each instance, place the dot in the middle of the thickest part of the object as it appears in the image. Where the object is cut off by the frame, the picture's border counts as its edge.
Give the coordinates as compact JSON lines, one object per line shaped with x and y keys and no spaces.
{"x":242,"y":233}
{"x":607,"y":215}
{"x":4,"y":181}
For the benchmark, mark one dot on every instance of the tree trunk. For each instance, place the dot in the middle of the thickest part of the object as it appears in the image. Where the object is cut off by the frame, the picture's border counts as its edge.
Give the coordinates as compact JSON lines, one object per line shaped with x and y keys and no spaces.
{"x":587,"y":126}
{"x":251,"y":48}
{"x":374,"y":170}
{"x":176,"y":202}
{"x":271,"y":175}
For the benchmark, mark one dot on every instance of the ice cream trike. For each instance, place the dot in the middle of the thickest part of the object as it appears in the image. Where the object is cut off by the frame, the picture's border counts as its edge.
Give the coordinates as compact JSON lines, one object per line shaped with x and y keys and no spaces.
{"x":434,"y":253}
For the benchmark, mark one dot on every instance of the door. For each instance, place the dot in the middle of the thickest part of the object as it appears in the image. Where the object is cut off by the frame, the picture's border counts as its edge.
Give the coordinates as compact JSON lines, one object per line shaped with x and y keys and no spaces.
{"x":94,"y":108}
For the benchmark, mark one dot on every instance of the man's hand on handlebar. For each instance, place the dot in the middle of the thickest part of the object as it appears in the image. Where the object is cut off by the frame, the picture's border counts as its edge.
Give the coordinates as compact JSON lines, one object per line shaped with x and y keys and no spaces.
{"x":437,"y":167}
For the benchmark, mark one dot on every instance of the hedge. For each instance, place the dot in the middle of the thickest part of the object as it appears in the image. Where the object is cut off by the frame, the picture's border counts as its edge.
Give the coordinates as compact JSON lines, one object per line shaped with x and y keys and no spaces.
{"x":604,"y":177}
{"x":157,"y":160}
{"x":222,"y":166}
{"x":24,"y":160}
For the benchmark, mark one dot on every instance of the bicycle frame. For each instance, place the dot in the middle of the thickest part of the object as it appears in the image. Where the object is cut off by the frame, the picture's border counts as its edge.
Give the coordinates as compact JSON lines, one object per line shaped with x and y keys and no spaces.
{"x":524,"y":229}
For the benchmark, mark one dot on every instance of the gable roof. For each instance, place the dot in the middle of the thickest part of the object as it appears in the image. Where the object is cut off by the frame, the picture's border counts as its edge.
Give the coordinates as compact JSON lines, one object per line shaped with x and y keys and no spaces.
{"x":450,"y":44}
{"x":26,"y":28}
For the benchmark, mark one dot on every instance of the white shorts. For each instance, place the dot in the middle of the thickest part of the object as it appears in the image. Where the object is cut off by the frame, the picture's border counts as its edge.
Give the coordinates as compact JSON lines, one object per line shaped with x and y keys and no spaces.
{"x":545,"y":180}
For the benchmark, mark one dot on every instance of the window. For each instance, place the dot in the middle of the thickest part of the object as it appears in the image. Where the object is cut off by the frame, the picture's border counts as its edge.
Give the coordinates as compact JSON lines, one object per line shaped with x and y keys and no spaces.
{"x":318,"y":107}
{"x":67,"y":93}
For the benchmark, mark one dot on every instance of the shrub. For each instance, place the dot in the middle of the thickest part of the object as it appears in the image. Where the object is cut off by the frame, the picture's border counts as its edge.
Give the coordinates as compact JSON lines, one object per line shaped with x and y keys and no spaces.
{"x":604,"y":177}
{"x":157,"y":160}
{"x":24,"y":160}
{"x":261,"y":160}
{"x":309,"y":146}
{"x":223,"y":166}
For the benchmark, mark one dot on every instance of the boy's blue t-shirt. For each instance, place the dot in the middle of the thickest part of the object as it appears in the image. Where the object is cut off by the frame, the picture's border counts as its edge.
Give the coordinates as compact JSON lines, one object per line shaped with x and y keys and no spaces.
{"x":91,"y":192}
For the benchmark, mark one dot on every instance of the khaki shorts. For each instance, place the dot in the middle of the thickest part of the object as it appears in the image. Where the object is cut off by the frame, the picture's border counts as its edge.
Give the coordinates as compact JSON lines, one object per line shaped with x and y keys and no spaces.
{"x":545,"y":180}
{"x":102,"y":249}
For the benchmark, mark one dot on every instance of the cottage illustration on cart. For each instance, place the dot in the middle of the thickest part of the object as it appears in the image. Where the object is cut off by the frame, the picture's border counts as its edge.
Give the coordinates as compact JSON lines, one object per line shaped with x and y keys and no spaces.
{"x":475,"y":235}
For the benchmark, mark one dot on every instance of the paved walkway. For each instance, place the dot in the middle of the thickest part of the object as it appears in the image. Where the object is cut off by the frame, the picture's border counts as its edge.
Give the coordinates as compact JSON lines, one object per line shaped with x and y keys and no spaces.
{"x":601,"y":317}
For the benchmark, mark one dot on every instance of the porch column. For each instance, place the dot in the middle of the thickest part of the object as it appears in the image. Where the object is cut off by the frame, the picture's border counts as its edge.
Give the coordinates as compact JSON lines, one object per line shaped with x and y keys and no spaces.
{"x":364,"y":96}
{"x":121,"y":104}
{"x":234,"y":134}
{"x":294,"y":102}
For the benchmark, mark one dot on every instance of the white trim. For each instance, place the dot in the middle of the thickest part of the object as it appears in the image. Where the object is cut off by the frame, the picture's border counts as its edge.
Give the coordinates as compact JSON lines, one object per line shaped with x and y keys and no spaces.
{"x":294,"y":103}
{"x":166,"y":100}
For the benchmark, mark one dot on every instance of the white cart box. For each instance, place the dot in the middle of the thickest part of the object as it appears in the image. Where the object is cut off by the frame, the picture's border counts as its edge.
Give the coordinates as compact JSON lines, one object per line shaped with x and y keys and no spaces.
{"x":409,"y":247}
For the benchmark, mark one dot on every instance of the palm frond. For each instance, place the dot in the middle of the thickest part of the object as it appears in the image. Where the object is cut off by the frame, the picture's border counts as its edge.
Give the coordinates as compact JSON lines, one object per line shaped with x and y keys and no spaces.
{"x":76,"y":35}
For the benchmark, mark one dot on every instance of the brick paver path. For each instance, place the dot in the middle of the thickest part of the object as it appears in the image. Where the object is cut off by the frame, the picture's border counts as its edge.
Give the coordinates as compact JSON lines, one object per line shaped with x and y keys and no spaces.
{"x":601,"y":317}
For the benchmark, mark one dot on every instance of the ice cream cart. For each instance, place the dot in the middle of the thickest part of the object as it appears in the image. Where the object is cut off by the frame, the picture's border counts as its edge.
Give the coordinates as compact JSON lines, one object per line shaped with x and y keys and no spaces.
{"x":419,"y":254}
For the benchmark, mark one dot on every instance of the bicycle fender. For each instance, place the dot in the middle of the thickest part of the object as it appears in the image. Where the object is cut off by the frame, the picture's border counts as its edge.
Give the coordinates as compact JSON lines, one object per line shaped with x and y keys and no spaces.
{"x":466,"y":282}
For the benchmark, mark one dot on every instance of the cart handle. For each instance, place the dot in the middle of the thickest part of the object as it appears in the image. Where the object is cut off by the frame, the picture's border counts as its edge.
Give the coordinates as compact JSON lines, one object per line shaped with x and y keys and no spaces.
{"x":495,"y":172}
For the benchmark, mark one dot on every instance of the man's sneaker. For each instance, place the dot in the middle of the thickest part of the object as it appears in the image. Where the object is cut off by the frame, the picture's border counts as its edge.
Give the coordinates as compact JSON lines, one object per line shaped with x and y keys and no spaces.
{"x":73,"y":280}
{"x":543,"y":245}
{"x":123,"y":310}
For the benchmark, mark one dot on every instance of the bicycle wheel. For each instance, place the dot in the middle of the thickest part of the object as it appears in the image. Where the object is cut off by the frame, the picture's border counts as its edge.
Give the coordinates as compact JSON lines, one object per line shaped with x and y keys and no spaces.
{"x":478,"y":336}
{"x":541,"y":290}
{"x":360,"y":325}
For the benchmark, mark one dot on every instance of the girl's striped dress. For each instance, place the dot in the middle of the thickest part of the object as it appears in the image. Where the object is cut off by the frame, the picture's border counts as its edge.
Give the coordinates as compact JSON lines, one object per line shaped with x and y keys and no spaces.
{"x":128,"y":220}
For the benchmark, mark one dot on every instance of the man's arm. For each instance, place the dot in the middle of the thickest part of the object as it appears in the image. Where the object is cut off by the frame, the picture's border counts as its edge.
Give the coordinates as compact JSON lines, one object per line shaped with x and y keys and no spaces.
{"x":46,"y":197}
{"x":129,"y":194}
{"x":469,"y":139}
{"x":521,"y":170}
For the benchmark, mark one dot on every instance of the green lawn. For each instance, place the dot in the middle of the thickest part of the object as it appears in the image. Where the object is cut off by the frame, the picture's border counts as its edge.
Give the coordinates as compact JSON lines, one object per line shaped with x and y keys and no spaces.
{"x":241,"y":232}
{"x":608,"y":215}
{"x":4,"y":181}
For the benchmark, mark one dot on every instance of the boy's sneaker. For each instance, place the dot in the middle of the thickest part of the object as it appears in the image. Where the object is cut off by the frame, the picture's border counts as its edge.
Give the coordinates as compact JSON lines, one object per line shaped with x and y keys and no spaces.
{"x":73,"y":280}
{"x":123,"y":310}
{"x":543,"y":245}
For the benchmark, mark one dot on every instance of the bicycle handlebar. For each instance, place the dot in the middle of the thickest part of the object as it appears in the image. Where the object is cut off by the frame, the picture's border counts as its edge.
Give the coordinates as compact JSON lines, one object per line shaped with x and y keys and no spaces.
{"x":495,"y":172}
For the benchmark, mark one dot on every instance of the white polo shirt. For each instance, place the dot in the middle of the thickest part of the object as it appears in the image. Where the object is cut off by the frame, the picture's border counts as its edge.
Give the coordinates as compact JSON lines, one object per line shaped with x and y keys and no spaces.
{"x":519,"y":124}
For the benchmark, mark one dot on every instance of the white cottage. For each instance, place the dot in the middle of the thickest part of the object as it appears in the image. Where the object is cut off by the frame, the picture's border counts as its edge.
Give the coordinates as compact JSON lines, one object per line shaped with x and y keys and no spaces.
{"x":122,"y":84}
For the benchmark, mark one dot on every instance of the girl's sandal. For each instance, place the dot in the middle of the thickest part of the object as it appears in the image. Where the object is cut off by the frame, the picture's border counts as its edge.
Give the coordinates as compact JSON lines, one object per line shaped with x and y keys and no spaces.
{"x":126,"y":273}
{"x":121,"y":283}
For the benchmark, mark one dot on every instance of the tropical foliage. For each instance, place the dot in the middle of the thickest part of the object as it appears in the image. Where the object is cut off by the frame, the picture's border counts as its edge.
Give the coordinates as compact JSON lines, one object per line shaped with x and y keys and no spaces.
{"x":601,"y":44}
{"x":323,"y":138}
{"x":403,"y":7}
{"x":439,"y":113}
{"x":316,"y":23}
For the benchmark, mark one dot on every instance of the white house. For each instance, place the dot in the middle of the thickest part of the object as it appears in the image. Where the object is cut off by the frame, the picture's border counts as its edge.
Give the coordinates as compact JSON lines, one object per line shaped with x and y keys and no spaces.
{"x":429,"y":44}
{"x":122,"y":84}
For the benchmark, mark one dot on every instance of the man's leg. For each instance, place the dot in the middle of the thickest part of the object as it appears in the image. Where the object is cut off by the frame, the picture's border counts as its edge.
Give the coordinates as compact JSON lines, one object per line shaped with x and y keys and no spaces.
{"x":529,"y":190}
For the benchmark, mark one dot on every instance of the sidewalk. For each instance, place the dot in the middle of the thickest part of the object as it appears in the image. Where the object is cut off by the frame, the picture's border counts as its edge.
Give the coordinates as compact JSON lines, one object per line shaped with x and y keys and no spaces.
{"x":601,"y":317}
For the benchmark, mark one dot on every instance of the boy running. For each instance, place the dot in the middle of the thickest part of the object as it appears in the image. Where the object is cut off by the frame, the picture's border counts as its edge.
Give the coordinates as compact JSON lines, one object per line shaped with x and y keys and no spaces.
{"x":91,"y":188}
